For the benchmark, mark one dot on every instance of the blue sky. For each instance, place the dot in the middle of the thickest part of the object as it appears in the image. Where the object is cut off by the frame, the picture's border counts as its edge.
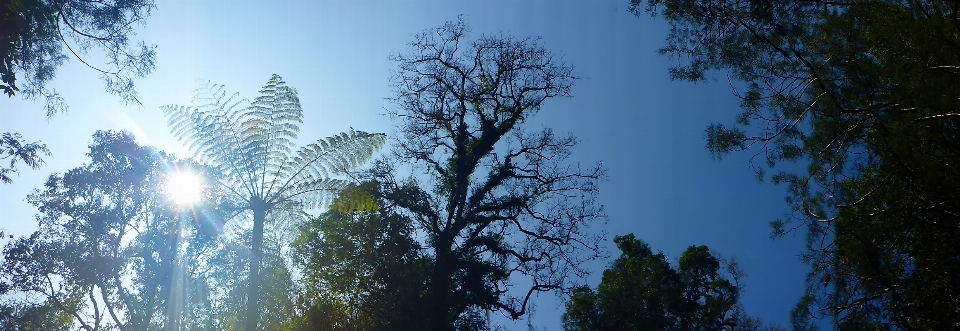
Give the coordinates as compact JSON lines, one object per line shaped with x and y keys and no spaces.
{"x":646,"y":129}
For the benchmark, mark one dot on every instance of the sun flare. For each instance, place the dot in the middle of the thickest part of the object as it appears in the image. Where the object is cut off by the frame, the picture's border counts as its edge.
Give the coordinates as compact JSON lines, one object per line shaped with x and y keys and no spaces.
{"x":185,"y":187}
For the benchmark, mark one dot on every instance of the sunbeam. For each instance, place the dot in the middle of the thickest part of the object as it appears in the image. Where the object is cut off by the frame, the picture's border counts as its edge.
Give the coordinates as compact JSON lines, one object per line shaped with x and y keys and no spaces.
{"x":185,"y":187}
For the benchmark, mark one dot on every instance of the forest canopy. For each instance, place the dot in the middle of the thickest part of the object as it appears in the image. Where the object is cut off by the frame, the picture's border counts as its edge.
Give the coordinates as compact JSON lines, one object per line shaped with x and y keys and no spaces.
{"x":479,"y":206}
{"x":864,"y":96}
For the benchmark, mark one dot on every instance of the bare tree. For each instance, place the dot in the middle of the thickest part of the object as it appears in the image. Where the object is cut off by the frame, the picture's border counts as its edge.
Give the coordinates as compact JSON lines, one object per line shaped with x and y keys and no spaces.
{"x":498,"y":204}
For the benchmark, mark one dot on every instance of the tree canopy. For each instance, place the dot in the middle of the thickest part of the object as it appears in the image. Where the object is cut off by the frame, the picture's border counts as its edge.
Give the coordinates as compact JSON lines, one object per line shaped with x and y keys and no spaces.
{"x":865,"y":95}
{"x":108,"y":247}
{"x":362,"y":268}
{"x":33,"y":35}
{"x":640,"y":290}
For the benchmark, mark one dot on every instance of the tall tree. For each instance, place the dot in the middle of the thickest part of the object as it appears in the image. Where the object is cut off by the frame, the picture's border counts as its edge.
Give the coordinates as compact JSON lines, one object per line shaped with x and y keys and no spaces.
{"x":108,"y":244}
{"x":35,"y":33}
{"x":253,"y":148}
{"x":863,"y":93}
{"x":497,"y":202}
{"x":640,"y":290}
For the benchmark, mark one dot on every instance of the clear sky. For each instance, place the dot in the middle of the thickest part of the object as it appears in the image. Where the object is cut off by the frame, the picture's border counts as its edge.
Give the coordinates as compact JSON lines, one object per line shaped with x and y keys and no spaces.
{"x":646,"y":129}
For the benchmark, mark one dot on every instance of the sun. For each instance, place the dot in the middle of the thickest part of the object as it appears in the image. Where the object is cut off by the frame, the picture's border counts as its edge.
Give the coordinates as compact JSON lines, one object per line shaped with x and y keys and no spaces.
{"x":185,"y":187}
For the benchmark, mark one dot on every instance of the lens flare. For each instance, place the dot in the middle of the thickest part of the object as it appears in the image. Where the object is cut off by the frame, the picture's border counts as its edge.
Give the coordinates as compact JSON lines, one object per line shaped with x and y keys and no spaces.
{"x":185,"y":187}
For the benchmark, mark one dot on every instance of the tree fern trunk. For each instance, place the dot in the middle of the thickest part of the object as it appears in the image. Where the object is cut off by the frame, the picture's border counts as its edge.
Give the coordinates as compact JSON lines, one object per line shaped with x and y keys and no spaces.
{"x":256,"y":253}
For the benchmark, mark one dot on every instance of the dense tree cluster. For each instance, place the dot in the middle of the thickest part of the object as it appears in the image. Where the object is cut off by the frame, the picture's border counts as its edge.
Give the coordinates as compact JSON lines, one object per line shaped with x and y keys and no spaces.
{"x":362,"y":268}
{"x":865,"y":95}
{"x":111,"y":251}
{"x":642,"y":291}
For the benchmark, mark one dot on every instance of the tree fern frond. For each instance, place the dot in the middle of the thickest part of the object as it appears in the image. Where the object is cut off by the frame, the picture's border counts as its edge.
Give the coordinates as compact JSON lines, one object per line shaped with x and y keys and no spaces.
{"x":253,"y":147}
{"x":315,"y":193}
{"x":328,"y":157}
{"x":354,"y":198}
{"x":209,"y":130}
{"x":271,"y":123}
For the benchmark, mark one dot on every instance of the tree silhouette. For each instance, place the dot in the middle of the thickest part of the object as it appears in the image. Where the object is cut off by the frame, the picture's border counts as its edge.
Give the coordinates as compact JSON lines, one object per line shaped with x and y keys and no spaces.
{"x":253,"y":148}
{"x":640,"y":290}
{"x":497,"y":202}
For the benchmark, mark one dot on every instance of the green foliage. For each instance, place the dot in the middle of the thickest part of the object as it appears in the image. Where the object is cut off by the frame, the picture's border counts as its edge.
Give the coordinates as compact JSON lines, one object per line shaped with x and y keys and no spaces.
{"x":252,"y":148}
{"x":226,"y":278}
{"x":13,"y":148}
{"x":722,"y":140}
{"x":495,"y":203}
{"x":640,"y":290}
{"x":35,"y":33}
{"x":29,"y":317}
{"x":864,"y":94}
{"x":362,"y":270}
{"x":583,"y":311}
{"x":354,"y":198}
{"x":641,"y":282}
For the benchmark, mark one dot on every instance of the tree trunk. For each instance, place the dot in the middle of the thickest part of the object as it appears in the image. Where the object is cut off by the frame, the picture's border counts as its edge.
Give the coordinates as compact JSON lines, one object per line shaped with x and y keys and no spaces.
{"x":440,"y":292}
{"x":256,"y":253}
{"x":438,"y":311}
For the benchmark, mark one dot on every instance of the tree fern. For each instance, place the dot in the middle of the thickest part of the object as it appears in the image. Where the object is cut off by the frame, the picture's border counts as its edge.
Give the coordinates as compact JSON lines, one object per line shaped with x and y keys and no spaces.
{"x":253,"y":147}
